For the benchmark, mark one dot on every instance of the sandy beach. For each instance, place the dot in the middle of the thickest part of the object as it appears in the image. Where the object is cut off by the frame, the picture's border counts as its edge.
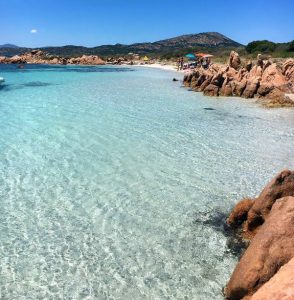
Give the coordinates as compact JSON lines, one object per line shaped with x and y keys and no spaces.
{"x":166,"y":67}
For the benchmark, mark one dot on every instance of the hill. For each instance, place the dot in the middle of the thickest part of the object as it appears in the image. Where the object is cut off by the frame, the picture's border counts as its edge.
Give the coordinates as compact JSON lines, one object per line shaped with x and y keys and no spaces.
{"x":8,"y":46}
{"x":268,"y":47}
{"x":171,"y":46}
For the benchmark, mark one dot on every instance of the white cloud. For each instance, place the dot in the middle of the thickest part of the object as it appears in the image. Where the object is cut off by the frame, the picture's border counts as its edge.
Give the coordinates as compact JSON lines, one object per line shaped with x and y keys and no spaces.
{"x":34,"y":31}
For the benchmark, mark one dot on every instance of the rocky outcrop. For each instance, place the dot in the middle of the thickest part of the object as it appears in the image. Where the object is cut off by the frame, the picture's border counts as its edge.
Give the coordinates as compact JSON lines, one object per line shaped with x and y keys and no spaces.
{"x":41,"y":57}
{"x":279,"y":287}
{"x":266,"y":81}
{"x":288,"y":71}
{"x":258,"y":209}
{"x":86,"y":60}
{"x":267,"y":222}
{"x":234,"y":60}
{"x":271,"y":248}
{"x":240,"y":212}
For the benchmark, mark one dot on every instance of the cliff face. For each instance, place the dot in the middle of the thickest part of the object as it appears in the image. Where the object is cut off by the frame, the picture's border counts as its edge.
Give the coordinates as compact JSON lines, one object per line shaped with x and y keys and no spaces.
{"x":41,"y":57}
{"x":267,"y":222}
{"x":265,"y":80}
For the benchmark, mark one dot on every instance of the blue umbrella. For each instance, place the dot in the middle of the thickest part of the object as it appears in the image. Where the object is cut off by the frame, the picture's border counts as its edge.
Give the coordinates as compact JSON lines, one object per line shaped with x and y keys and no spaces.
{"x":190,"y":56}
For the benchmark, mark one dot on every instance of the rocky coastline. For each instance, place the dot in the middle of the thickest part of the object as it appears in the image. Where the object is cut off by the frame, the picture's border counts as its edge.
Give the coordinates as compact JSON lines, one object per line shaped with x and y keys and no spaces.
{"x":266,"y":269}
{"x":41,"y":57}
{"x":270,"y":83}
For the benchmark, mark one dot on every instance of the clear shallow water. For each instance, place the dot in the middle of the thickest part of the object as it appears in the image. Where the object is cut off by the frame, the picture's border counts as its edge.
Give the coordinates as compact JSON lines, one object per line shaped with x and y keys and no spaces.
{"x":112,"y":182}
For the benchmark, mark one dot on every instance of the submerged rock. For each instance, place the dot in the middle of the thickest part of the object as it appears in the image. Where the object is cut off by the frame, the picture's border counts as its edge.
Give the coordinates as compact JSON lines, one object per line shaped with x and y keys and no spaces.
{"x":209,"y":108}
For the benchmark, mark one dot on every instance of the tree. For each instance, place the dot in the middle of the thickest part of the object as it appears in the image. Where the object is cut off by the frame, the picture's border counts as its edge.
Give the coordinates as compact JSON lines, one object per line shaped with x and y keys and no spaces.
{"x":261,"y":47}
{"x":291,"y":47}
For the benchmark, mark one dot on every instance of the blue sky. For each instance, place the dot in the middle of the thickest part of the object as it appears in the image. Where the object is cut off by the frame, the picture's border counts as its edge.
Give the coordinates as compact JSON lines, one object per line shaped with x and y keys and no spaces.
{"x":36,"y":23}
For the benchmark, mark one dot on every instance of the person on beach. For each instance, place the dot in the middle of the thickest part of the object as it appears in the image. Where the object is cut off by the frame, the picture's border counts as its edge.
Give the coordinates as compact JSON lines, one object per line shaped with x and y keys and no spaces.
{"x":181,"y":63}
{"x":178,"y":64}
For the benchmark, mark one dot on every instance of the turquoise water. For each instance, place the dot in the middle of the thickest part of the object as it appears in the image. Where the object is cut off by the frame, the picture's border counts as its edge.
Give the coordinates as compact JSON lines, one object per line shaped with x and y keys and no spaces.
{"x":114,"y":182}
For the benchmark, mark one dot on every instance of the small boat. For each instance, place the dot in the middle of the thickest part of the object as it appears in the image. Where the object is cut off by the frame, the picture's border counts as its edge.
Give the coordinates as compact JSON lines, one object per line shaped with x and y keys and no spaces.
{"x":2,"y":80}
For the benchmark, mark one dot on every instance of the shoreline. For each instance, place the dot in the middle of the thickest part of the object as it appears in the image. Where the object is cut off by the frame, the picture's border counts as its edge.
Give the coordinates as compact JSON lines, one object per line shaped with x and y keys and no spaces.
{"x":166,"y":67}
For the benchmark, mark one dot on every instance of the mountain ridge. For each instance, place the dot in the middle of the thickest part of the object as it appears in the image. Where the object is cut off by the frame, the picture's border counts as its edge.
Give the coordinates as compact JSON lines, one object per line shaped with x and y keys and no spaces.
{"x":8,"y":46}
{"x":169,"y":45}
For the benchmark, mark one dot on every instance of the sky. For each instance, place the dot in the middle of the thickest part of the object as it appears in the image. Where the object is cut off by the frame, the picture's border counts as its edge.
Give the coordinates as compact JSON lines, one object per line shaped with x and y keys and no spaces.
{"x":38,"y":23}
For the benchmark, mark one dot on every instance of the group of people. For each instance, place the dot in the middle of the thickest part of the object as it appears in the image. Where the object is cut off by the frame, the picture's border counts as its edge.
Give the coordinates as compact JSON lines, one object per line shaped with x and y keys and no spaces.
{"x":203,"y":62}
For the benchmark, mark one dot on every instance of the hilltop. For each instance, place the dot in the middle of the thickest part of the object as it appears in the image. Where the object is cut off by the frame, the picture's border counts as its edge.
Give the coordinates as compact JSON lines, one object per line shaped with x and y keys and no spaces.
{"x":8,"y":46}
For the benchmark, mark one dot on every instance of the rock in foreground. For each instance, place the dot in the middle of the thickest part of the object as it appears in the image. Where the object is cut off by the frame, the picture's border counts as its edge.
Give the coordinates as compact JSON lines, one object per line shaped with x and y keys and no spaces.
{"x":271,"y":248}
{"x":279,"y":287}
{"x":268,"y":221}
{"x":253,"y":213}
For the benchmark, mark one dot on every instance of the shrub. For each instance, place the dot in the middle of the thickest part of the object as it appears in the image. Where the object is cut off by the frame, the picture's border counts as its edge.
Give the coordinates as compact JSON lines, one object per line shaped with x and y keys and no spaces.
{"x":261,"y":46}
{"x":291,"y":47}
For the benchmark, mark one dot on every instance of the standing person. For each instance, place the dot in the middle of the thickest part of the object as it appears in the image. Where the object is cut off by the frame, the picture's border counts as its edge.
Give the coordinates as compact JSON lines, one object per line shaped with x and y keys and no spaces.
{"x":181,"y":63}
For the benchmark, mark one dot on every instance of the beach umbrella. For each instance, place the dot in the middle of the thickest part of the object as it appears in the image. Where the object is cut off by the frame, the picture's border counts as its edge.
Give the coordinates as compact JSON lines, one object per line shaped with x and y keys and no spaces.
{"x":190,"y":56}
{"x":200,"y":54}
{"x":145,"y":58}
{"x":203,"y":55}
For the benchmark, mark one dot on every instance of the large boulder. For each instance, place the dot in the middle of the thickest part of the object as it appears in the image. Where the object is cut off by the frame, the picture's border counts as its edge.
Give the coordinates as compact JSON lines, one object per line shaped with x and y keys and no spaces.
{"x":253,"y":213}
{"x":211,"y":90}
{"x":187,"y":78}
{"x":273,"y":77}
{"x":281,"y":186}
{"x":226,"y":89}
{"x":288,"y":72}
{"x":239,"y":213}
{"x":87,"y":60}
{"x":279,"y":287}
{"x":271,"y":248}
{"x":238,"y":87}
{"x":251,"y":87}
{"x":275,"y":98}
{"x":288,"y":68}
{"x":248,"y":66}
{"x":234,"y":60}
{"x":218,"y":79}
{"x":256,"y":71}
{"x":199,"y":81}
{"x":204,"y":84}
{"x":3,"y":60}
{"x":17,"y":59}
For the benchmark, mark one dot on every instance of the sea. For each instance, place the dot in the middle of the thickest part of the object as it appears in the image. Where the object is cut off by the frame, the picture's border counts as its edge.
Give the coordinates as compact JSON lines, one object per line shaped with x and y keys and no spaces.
{"x":115,"y":182}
